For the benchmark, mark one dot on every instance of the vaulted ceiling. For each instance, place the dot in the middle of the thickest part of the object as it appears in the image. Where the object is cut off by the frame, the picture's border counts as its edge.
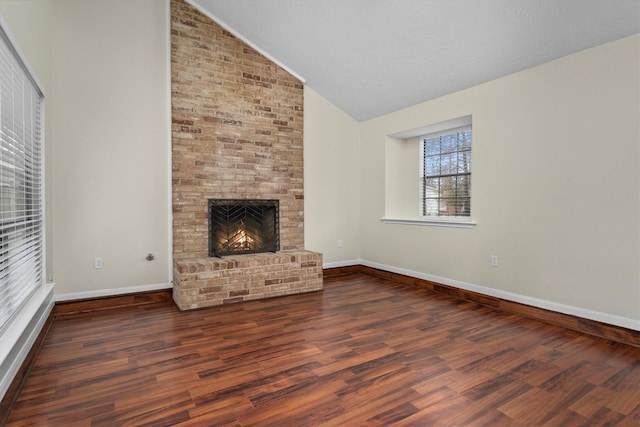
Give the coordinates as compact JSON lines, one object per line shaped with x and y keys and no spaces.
{"x":372,"y":57}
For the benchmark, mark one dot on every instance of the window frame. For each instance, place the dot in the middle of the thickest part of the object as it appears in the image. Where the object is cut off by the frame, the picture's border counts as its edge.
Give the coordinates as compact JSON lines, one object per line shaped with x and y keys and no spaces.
{"x":444,"y":219}
{"x":22,"y":232}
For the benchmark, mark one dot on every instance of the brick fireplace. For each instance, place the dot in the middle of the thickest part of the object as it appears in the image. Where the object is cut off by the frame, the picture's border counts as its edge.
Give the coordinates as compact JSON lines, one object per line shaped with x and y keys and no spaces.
{"x":237,"y":121}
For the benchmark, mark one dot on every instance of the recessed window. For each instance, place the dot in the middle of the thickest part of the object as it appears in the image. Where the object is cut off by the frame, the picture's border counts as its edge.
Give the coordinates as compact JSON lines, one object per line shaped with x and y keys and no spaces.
{"x":439,"y":156}
{"x":445,"y":178}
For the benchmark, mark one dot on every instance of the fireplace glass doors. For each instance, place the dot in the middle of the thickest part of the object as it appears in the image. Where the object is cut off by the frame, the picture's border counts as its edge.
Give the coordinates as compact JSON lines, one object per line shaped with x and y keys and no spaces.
{"x":239,"y":226}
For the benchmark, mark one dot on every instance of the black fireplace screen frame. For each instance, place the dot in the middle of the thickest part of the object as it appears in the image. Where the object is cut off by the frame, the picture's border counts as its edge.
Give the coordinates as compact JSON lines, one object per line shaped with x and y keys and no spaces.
{"x":243,"y":226}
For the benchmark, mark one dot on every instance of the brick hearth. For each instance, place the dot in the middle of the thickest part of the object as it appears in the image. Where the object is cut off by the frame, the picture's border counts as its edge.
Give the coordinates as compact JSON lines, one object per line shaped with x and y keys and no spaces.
{"x":237,"y":122}
{"x":213,"y":281}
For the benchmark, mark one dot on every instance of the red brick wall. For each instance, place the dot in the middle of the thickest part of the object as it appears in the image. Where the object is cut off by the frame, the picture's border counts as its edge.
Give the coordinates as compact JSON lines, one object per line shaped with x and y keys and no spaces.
{"x":236,"y":131}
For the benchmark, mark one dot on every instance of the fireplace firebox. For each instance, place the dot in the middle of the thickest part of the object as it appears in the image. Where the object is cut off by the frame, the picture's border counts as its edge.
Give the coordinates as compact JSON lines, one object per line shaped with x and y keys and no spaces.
{"x":243,"y":226}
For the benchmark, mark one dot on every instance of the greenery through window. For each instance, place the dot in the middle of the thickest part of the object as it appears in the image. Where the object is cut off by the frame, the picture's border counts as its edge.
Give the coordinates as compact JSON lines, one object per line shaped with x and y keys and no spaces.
{"x":445,"y":189}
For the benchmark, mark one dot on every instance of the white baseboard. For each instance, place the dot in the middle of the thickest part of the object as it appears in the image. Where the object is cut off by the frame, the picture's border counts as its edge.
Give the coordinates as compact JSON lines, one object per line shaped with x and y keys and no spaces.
{"x":19,"y":335}
{"x":598,"y":316}
{"x":337,"y":264}
{"x":111,"y":292}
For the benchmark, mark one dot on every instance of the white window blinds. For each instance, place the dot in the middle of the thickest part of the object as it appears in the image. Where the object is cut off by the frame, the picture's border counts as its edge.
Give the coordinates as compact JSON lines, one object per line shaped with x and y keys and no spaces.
{"x":21,"y":182}
{"x":446,"y":174}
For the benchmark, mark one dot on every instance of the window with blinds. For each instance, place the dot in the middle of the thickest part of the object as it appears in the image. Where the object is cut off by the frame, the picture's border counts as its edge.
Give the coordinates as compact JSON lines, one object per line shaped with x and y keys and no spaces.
{"x":445,"y":182}
{"x":21,"y":182}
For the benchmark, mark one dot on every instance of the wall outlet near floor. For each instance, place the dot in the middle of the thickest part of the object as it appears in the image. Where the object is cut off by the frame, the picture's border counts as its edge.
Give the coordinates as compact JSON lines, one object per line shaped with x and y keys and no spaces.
{"x":97,"y":262}
{"x":339,"y":243}
{"x":494,"y":260}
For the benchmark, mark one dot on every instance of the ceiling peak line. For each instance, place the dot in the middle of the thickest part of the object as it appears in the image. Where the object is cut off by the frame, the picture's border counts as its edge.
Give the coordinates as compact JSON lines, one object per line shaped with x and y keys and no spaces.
{"x":246,"y":41}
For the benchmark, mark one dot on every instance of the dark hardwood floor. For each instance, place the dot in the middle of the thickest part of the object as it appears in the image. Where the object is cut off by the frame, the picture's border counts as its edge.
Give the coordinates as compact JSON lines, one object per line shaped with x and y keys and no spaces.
{"x":366,"y":351}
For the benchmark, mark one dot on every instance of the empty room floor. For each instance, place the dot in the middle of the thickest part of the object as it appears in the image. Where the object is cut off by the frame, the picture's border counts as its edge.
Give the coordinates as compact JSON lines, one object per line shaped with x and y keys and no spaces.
{"x":365,"y":351}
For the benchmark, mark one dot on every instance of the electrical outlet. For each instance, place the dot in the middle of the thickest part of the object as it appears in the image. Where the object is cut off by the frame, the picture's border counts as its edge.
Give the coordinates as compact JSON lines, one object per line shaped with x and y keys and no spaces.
{"x":97,"y":262}
{"x":494,"y":260}
{"x":339,"y":243}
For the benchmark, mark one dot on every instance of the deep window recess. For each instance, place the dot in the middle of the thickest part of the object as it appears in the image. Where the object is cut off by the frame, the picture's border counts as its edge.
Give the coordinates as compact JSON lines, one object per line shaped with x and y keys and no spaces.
{"x":21,"y":183}
{"x":445,"y":181}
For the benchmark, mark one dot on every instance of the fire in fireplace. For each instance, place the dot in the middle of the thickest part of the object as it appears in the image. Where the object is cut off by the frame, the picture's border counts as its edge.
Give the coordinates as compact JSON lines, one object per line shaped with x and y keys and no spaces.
{"x":242,"y":226}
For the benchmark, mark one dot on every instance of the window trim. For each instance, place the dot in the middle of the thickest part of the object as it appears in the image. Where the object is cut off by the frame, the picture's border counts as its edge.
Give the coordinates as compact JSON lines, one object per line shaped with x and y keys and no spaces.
{"x":455,"y":223}
{"x":445,"y":219}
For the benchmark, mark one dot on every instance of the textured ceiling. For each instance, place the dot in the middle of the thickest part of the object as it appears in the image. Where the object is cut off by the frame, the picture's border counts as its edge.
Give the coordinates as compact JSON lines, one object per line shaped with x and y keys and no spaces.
{"x":372,"y":57}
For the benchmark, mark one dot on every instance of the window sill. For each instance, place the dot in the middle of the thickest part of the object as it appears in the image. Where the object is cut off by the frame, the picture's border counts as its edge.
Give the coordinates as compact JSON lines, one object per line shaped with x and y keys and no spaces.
{"x":432,"y":222}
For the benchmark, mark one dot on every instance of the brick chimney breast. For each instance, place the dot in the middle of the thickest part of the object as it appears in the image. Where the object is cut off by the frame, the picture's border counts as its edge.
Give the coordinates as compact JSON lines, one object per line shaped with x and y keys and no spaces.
{"x":237,"y":123}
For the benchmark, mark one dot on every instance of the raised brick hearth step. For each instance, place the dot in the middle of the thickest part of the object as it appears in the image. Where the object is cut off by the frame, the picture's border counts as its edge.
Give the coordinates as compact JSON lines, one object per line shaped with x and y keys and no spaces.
{"x":206,"y":282}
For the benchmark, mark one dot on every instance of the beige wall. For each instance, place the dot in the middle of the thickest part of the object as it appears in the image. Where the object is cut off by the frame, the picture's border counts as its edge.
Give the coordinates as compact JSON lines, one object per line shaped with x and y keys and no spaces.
{"x":555,"y":185}
{"x":30,"y":22}
{"x":110,"y":159}
{"x":107,"y":110}
{"x":331,"y":184}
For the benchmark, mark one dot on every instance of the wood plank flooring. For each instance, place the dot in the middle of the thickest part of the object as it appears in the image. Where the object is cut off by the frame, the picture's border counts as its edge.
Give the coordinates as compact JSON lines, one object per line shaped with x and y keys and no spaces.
{"x":366,"y":351}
